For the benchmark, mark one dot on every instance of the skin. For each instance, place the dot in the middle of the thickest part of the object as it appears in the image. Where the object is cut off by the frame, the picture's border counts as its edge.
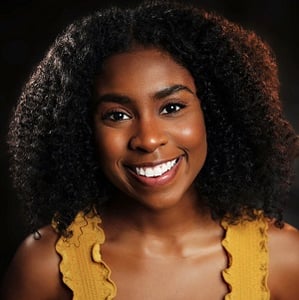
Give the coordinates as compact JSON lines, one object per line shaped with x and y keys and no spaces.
{"x":151,"y":111}
{"x":146,"y":119}
{"x":147,"y":105}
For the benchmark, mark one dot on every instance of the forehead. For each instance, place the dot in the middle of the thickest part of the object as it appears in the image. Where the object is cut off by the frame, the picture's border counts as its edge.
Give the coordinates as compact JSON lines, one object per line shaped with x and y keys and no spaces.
{"x":146,"y":69}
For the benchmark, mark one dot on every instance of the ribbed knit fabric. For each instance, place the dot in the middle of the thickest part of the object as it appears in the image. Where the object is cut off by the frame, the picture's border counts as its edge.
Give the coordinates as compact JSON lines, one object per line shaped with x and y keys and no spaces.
{"x":246,"y":244}
{"x":82,"y":267}
{"x":85,"y":273}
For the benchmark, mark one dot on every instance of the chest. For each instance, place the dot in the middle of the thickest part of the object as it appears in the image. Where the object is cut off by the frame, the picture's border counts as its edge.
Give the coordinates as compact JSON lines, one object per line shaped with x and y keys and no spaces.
{"x":95,"y":270}
{"x":169,"y":278}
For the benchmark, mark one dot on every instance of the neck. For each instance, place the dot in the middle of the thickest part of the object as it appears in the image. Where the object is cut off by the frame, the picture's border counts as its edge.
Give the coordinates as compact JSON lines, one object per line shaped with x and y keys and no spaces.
{"x":129,"y":215}
{"x":178,"y":232}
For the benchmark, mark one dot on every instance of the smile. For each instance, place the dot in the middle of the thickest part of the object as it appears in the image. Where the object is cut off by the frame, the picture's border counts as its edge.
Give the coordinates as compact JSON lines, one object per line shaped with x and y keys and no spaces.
{"x":157,"y":170}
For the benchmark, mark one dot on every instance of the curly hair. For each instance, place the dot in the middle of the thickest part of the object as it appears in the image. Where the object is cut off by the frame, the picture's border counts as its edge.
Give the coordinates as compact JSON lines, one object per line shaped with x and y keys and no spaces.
{"x":249,"y":165}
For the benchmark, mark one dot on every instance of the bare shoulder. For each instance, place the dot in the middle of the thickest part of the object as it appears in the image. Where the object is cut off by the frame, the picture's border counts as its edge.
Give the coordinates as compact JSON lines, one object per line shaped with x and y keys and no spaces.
{"x":34,"y":270}
{"x":284,"y":262}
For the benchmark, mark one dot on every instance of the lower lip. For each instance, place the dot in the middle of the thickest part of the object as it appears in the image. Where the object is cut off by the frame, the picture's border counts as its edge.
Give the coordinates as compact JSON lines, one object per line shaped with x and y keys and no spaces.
{"x":159,"y":180}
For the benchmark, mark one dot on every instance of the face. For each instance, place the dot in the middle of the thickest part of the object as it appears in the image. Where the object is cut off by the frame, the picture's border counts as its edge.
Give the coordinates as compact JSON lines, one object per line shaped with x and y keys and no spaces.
{"x":149,"y":128}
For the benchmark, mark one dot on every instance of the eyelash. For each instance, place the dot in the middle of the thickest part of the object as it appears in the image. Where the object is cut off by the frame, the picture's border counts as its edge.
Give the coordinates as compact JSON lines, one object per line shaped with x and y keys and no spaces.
{"x":177,"y":106}
{"x":114,"y":115}
{"x":118,"y":115}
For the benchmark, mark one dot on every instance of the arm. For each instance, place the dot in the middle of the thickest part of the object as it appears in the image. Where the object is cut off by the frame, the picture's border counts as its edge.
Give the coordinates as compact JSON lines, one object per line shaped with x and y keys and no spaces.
{"x":284,"y":263}
{"x":34,"y":271}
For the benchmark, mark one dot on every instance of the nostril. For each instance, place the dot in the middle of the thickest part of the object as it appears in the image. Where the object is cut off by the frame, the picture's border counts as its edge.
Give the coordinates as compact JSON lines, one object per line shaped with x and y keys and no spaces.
{"x":147,"y":144}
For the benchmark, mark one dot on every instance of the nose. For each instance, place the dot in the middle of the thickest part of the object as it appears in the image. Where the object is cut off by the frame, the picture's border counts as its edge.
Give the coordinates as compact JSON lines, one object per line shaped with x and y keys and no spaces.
{"x":149,"y":135}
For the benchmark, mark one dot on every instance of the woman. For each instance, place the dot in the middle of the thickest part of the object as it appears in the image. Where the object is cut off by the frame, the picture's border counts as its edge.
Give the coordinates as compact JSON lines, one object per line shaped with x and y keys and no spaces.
{"x":154,"y":143}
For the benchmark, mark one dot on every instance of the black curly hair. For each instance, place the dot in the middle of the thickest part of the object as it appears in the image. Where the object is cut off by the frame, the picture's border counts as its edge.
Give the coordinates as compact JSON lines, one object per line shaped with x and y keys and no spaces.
{"x":249,"y":165}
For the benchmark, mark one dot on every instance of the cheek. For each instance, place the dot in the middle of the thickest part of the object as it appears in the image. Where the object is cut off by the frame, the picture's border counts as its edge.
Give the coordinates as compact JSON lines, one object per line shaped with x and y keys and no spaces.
{"x":193,"y":134}
{"x":111,"y":147}
{"x":195,"y":140}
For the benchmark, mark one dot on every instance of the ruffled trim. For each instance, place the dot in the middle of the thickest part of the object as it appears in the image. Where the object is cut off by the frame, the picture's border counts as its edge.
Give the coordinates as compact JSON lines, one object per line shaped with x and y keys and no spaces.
{"x":82,"y":267}
{"x":246,"y":244}
{"x":88,"y":276}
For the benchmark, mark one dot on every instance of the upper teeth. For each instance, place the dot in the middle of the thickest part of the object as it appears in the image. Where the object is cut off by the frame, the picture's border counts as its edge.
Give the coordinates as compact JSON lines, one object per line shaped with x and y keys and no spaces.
{"x":156,"y":170}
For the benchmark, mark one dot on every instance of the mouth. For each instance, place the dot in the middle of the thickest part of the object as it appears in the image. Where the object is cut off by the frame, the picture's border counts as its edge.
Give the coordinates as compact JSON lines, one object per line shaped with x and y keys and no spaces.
{"x":157,"y":170}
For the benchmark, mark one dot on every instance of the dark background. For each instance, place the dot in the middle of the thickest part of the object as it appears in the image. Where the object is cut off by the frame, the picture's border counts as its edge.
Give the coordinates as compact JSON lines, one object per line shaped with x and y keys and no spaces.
{"x":27,"y":28}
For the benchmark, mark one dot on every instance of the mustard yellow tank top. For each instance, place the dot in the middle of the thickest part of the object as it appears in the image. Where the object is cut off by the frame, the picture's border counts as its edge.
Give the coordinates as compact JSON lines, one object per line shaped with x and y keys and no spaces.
{"x":87,"y":275}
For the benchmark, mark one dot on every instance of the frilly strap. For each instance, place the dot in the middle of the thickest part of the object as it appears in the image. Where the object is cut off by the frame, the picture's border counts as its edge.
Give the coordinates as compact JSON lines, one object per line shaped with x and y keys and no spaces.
{"x":82,"y":267}
{"x":246,"y":244}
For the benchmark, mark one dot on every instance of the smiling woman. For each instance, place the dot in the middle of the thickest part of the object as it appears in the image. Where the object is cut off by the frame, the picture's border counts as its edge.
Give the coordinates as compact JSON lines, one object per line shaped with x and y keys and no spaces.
{"x":150,"y":149}
{"x":153,"y":115}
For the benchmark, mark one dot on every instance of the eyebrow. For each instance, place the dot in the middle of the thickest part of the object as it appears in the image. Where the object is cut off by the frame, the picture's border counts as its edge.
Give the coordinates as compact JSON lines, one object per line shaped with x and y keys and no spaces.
{"x":163,"y":93}
{"x":113,"y":97}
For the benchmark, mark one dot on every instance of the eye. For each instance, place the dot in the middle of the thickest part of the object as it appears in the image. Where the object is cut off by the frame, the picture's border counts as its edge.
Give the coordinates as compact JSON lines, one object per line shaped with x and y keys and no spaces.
{"x":171,"y":108}
{"x":116,"y":116}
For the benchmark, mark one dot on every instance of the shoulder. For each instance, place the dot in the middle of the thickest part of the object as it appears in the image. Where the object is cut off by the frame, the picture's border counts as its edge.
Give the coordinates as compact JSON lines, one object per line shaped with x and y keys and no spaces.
{"x":284,"y":262}
{"x":34,"y":270}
